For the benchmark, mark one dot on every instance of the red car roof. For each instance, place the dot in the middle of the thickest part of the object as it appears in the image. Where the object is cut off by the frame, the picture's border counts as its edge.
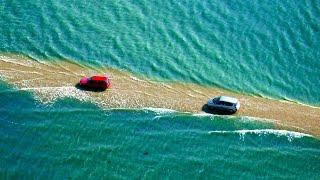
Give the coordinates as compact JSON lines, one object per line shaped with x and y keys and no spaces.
{"x":98,"y":78}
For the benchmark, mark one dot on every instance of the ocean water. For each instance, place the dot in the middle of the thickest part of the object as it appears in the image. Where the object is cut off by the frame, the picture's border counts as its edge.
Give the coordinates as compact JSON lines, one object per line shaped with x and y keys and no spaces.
{"x":263,"y":48}
{"x":72,"y":139}
{"x":266,"y":48}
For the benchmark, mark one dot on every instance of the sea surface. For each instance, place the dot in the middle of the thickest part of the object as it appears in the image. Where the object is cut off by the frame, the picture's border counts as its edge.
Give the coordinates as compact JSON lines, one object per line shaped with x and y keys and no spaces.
{"x":261,"y":48}
{"x":72,"y":139}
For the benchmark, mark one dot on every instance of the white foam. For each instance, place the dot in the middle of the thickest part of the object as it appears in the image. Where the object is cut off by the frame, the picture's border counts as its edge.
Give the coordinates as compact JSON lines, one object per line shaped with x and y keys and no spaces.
{"x":160,"y":110}
{"x":51,"y":94}
{"x":49,"y":88}
{"x":136,"y":79}
{"x":238,"y":118}
{"x":289,"y":134}
{"x":156,"y":117}
{"x":203,"y":114}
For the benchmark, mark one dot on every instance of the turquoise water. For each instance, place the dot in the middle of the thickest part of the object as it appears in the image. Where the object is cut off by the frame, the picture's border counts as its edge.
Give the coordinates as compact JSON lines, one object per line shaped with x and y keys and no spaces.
{"x":265,"y":48}
{"x":74,"y":139}
{"x":257,"y":47}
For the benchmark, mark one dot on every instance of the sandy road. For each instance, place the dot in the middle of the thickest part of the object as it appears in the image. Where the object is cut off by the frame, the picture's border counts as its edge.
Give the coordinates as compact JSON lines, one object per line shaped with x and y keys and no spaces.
{"x":50,"y":81}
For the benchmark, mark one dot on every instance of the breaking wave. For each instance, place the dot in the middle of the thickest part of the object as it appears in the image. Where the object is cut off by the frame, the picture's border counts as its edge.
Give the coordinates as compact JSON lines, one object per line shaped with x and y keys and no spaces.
{"x":160,"y":110}
{"x":264,"y":132}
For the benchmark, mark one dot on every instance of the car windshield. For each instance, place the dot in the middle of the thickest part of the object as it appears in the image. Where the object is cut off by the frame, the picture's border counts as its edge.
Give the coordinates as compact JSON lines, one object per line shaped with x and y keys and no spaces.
{"x":224,"y":103}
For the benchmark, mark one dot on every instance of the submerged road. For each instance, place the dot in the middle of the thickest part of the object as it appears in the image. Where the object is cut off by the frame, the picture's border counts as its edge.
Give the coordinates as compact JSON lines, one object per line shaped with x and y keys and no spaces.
{"x":50,"y":81}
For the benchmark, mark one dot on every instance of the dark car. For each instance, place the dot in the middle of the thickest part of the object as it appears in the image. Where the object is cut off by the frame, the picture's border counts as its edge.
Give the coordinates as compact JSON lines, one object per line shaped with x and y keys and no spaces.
{"x":224,"y":103}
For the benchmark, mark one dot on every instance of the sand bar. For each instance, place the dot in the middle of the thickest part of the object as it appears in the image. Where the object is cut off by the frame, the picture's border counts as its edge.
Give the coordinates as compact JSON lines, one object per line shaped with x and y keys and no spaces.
{"x":50,"y":81}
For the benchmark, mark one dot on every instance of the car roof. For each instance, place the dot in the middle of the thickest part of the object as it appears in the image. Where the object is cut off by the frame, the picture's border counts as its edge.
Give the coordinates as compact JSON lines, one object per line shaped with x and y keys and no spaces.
{"x":228,"y":99}
{"x":98,"y":78}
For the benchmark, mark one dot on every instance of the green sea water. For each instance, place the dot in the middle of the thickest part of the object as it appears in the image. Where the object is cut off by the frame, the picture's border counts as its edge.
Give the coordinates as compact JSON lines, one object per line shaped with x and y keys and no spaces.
{"x":265,"y":48}
{"x":71,"y":139}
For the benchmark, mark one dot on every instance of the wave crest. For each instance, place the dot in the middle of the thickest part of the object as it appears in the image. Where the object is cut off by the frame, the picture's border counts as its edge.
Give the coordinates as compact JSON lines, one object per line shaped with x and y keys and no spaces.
{"x":260,"y":132}
{"x":160,"y":110}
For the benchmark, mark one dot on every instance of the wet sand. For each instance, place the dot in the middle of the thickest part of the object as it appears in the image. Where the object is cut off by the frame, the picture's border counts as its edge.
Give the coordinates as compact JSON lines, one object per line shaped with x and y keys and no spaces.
{"x":50,"y":81}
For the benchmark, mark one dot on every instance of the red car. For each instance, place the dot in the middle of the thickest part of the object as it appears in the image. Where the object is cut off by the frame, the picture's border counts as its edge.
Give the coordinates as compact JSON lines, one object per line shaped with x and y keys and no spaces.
{"x":95,"y":82}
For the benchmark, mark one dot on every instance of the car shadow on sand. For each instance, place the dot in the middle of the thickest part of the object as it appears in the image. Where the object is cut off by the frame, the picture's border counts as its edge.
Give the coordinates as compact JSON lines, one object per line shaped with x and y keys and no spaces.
{"x":78,"y":86}
{"x":206,"y":109}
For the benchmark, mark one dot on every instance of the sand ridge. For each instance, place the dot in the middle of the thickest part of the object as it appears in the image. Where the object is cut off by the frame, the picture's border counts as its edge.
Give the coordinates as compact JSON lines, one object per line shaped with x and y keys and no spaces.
{"x":50,"y":81}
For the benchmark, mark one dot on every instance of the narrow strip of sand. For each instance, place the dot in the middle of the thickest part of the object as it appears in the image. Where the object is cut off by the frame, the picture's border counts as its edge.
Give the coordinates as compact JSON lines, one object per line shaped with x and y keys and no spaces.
{"x":53,"y":80}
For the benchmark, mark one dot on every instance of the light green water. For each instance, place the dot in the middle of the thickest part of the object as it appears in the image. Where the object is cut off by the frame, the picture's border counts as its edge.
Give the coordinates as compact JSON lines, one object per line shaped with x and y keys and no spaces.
{"x":258,"y":47}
